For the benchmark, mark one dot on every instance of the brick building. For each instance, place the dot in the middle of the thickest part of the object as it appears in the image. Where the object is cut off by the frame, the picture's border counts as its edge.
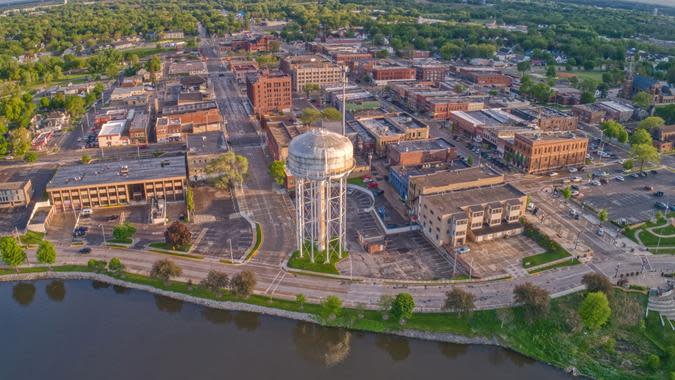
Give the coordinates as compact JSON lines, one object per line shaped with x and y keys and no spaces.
{"x":486,"y":77}
{"x":589,"y":113}
{"x":548,"y":119}
{"x":440,"y":108}
{"x":537,"y":154}
{"x":418,"y":152}
{"x":431,"y":72}
{"x":269,"y":92}
{"x":392,"y":129}
{"x":664,"y":138}
{"x":175,"y":126}
{"x":382,"y":74}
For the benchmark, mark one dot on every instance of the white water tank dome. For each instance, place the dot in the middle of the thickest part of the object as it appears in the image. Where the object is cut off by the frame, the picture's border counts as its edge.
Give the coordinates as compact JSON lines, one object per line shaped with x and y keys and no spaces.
{"x":320,"y":154}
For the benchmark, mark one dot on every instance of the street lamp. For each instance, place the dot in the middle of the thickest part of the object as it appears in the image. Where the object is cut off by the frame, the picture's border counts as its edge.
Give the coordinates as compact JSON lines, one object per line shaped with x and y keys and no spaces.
{"x":102,"y":233}
{"x":229,"y":241}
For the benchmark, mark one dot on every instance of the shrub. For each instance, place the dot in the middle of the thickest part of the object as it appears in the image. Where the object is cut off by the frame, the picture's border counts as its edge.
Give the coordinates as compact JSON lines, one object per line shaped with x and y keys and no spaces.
{"x":653,"y":362}
{"x":331,"y":307}
{"x":115,"y":265}
{"x":402,"y":307}
{"x":459,"y":301}
{"x":595,"y":310}
{"x":123,"y":231}
{"x":177,"y":235}
{"x":96,"y":265}
{"x":164,"y":270}
{"x":595,"y":282}
{"x":535,"y":300}
{"x":215,"y":281}
{"x":46,"y":253}
{"x":243,"y":283}
{"x":300,"y":299}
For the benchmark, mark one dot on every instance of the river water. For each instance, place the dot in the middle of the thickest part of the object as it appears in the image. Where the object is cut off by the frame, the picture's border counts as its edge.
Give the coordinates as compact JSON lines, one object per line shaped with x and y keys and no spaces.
{"x":89,"y":330}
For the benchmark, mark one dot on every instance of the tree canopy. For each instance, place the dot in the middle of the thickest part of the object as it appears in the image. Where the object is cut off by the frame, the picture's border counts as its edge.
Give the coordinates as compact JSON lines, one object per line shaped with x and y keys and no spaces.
{"x":230,"y":169}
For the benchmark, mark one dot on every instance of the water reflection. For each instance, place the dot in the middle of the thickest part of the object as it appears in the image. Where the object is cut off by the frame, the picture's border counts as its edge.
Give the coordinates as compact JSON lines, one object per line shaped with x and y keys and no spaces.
{"x":453,"y":351}
{"x":397,"y":347}
{"x":99,"y":285}
{"x":121,"y":289}
{"x":23,"y":293}
{"x":321,"y":345}
{"x":168,"y":304}
{"x":217,"y":316}
{"x":247,"y":321}
{"x":56,"y":290}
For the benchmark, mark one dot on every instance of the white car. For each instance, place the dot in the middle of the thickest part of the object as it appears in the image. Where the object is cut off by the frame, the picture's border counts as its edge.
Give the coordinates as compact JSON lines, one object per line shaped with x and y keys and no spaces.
{"x":576,"y":179}
{"x":553,"y":174}
{"x":573,"y":170}
{"x":595,"y":182}
{"x":619,"y":178}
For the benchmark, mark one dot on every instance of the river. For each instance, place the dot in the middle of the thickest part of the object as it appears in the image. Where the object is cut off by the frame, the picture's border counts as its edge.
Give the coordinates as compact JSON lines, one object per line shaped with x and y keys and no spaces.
{"x":90,"y":330}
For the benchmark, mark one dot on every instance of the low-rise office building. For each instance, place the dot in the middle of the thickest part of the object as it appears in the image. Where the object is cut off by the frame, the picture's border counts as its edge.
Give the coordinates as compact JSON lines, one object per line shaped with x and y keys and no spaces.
{"x":479,"y":214}
{"x":547,"y":119}
{"x":617,"y":111}
{"x":118,"y":183}
{"x":383,"y":74}
{"x":16,"y":193}
{"x":392,"y":129}
{"x":589,"y":113}
{"x":201,"y":150}
{"x":537,"y":153}
{"x":432,"y":72}
{"x":241,"y":69}
{"x":311,"y":69}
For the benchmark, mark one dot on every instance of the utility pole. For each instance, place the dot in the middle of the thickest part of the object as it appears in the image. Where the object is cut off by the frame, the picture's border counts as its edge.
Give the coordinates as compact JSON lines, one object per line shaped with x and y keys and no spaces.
{"x":103,"y":233}
{"x":344,"y":100}
{"x":229,"y":241}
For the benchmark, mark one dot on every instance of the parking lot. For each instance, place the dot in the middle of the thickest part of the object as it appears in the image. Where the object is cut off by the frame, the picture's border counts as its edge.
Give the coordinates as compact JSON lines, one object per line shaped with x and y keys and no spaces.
{"x":632,"y":199}
{"x":216,"y":225}
{"x":500,"y":256}
{"x":11,"y":218}
{"x":407,"y":256}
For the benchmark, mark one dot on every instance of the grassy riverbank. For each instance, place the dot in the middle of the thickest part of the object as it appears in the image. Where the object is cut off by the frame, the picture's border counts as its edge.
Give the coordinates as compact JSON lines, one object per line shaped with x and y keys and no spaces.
{"x":619,"y":350}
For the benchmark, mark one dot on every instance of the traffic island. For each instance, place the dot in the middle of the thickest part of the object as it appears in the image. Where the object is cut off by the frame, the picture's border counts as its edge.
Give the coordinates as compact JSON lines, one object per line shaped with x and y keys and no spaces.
{"x":319,"y":264}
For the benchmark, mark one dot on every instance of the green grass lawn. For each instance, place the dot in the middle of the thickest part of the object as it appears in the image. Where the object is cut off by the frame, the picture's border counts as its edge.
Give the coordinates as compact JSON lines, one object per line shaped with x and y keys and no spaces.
{"x":163,"y":245}
{"x":553,"y":250}
{"x":258,"y":241}
{"x":121,"y":241}
{"x":318,"y":265}
{"x":667,"y":230}
{"x":650,"y":240}
{"x":357,"y":181}
{"x":595,"y":75}
{"x":32,"y":238}
{"x":567,"y":263}
{"x":144,"y":51}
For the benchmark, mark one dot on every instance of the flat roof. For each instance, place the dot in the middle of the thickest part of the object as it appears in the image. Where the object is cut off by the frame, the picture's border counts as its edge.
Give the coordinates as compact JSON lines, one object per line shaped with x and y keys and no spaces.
{"x":423,"y":145}
{"x":113,"y":127}
{"x":183,"y":108}
{"x":617,"y":106}
{"x":445,"y":177}
{"x":110,"y":172}
{"x":14,"y":185}
{"x":452,"y":201}
{"x":489,"y":117}
{"x":535,"y":113}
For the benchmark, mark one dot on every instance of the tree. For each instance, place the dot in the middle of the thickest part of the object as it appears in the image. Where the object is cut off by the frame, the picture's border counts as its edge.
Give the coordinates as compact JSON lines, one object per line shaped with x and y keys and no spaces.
{"x":20,"y":141}
{"x":85,"y":159}
{"x":154,"y":64}
{"x":613,"y":129}
{"x":274,"y":45}
{"x":450,"y":51}
{"x":653,"y":362}
{"x":215,"y":281}
{"x":277,"y":171}
{"x":115,"y":265}
{"x":331,"y":114}
{"x":243,"y":283}
{"x":594,"y":310}
{"x":469,"y":161}
{"x":402,"y":307}
{"x":123,"y":232}
{"x":310,"y":115}
{"x":628,"y":164}
{"x":164,"y":270}
{"x":644,"y":153}
{"x":596,"y":282}
{"x":30,"y":157}
{"x":75,"y":106}
{"x":541,"y":92}
{"x":603,"y":215}
{"x":177,"y":235}
{"x":384,"y":53}
{"x":189,"y":200}
{"x":643,"y":99}
{"x":587,"y":97}
{"x":459,"y":88}
{"x":524,"y":66}
{"x":459,"y":301}
{"x":651,"y":123}
{"x":12,"y":253}
{"x":535,"y":300}
{"x":46,"y":253}
{"x":550,"y":72}
{"x":229,"y":168}
{"x":640,"y":136}
{"x":331,"y":307}
{"x":567,"y":192}
{"x":308,"y":88}
{"x":300,"y":300}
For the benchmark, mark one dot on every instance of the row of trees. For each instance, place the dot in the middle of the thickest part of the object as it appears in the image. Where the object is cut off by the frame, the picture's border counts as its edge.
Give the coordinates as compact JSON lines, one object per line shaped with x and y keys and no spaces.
{"x":13,"y":253}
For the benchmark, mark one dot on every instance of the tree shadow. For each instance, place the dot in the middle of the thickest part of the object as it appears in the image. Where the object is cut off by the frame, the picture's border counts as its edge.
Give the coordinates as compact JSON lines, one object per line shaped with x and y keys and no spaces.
{"x":23,"y":293}
{"x":56,"y":290}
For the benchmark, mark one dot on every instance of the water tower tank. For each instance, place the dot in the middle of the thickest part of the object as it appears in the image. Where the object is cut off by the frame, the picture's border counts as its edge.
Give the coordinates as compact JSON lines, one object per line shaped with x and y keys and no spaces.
{"x":319,"y":155}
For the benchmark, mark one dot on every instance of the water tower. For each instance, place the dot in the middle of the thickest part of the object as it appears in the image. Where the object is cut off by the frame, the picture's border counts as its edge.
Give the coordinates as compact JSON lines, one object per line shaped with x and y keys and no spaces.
{"x":320,"y":162}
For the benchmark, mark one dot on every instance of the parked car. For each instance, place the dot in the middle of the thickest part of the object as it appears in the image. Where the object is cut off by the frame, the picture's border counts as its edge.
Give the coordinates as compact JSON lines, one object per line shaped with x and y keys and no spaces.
{"x":654,"y":172}
{"x":600,"y":232}
{"x":649,"y":188}
{"x":553,"y":174}
{"x":619,"y":178}
{"x":84,"y":251}
{"x":635,"y":175}
{"x":572,"y":170}
{"x":576,"y":178}
{"x":463,"y":249}
{"x":658,"y":194}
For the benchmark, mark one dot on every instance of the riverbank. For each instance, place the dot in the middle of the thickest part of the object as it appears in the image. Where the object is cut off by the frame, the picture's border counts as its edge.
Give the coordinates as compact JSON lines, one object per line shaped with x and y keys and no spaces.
{"x":620,"y":350}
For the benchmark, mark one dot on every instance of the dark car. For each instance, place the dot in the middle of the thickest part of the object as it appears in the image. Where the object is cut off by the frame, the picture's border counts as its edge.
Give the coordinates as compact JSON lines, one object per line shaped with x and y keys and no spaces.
{"x":661,"y":205}
{"x":658,"y":194}
{"x":653,"y":171}
{"x":111,"y":218}
{"x":85,"y":250}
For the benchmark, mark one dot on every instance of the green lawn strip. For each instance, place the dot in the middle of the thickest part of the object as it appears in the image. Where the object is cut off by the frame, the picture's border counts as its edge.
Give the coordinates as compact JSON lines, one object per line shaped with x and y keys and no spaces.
{"x":667,"y":230}
{"x":554,"y":251}
{"x":618,"y":350}
{"x":567,"y":263}
{"x":258,"y":241}
{"x":318,"y":265}
{"x":31,"y":238}
{"x":120,"y":241}
{"x":163,"y":245}
{"x":143,"y":51}
{"x":357,"y":181}
{"x":177,"y":254}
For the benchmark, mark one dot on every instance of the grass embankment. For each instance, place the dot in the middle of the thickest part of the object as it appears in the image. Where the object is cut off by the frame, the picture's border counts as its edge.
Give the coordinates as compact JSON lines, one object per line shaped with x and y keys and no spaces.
{"x":164,"y":246}
{"x":318,"y":265}
{"x":554,"y":251}
{"x":31,"y":238}
{"x":357,"y":181}
{"x":120,"y":241}
{"x":618,"y":350}
{"x":567,"y":263}
{"x":258,"y":241}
